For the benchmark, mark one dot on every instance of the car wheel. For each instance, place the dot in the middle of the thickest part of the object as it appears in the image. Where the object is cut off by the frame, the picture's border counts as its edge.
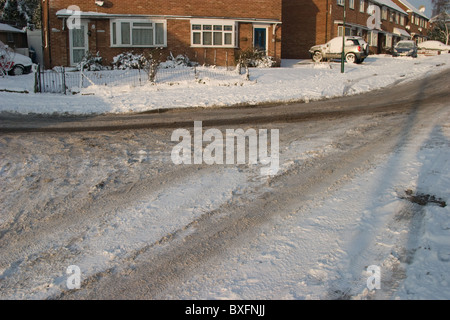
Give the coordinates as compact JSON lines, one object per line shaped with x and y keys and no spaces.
{"x":317,"y":56}
{"x":17,"y":71}
{"x":350,"y":58}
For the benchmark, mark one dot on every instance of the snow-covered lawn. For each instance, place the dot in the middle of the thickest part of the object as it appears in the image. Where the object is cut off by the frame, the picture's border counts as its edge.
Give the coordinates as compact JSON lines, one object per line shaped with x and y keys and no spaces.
{"x":294,"y":81}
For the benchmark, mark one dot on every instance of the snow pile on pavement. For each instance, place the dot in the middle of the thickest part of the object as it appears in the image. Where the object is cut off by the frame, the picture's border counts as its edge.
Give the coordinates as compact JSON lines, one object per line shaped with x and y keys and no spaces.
{"x":298,"y":82}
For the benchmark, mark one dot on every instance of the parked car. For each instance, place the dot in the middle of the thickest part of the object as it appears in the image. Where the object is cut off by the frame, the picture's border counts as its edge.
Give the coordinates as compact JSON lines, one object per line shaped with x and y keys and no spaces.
{"x":17,"y":64}
{"x":356,"y":50}
{"x":434,"y":45}
{"x":405,"y":48}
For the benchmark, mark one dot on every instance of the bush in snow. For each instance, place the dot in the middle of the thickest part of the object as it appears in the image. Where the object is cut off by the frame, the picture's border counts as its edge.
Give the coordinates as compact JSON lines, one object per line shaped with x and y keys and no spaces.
{"x":129,"y":60}
{"x":253,"y":58}
{"x":91,"y":62}
{"x":179,"y":61}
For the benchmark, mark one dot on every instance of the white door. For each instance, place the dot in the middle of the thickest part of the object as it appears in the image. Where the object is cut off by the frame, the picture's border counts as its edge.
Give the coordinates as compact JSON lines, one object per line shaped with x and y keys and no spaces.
{"x":79,"y":43}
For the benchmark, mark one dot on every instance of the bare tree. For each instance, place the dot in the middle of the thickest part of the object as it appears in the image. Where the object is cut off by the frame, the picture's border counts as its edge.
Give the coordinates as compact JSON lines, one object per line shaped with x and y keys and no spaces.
{"x":441,"y":21}
{"x":151,"y":63}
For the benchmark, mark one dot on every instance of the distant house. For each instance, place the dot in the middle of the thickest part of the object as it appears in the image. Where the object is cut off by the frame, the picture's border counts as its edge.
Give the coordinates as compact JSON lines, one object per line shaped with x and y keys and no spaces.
{"x":15,"y":38}
{"x":417,"y":23}
{"x":328,"y":19}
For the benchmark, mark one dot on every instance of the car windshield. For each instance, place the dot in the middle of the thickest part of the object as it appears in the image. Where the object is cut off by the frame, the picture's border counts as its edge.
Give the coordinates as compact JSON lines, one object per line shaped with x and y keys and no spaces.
{"x":404,"y":45}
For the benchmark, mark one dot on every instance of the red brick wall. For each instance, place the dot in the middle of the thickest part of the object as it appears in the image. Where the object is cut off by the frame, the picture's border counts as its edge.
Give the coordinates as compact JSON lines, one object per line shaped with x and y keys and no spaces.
{"x":304,"y":25}
{"x":231,"y":8}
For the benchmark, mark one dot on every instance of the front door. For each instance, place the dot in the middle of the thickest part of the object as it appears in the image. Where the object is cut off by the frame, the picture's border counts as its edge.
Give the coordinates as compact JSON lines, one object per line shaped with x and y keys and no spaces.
{"x":260,"y":36}
{"x":79,"y":43}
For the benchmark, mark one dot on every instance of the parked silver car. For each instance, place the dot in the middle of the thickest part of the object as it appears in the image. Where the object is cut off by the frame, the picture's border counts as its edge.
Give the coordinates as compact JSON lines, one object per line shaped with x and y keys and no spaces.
{"x":356,"y":50}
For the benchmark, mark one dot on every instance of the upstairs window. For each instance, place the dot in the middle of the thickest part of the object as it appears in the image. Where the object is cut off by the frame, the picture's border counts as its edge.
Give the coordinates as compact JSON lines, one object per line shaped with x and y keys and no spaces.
{"x":384,"y":13}
{"x":361,"y":5}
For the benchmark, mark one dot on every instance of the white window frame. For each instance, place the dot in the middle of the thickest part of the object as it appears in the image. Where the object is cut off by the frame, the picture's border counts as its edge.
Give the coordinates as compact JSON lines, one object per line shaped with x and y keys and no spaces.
{"x":116,"y":23}
{"x":340,"y":29}
{"x":340,"y":2}
{"x":388,"y":41}
{"x":362,"y":4}
{"x":351,"y":4}
{"x":402,"y":20}
{"x":373,"y":39}
{"x":213,"y":23}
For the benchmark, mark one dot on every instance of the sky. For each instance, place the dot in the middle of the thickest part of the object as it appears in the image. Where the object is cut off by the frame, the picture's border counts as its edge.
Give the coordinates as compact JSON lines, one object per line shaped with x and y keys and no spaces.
{"x":427,"y":3}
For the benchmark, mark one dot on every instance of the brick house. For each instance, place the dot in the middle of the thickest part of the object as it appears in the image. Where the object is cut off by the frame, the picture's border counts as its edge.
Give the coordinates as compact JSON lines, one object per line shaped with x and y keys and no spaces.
{"x":208,"y":32}
{"x":417,"y":23}
{"x":322,"y":20}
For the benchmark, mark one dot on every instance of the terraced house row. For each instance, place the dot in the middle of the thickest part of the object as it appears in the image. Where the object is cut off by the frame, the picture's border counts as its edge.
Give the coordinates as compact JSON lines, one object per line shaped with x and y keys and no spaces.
{"x":212,"y":32}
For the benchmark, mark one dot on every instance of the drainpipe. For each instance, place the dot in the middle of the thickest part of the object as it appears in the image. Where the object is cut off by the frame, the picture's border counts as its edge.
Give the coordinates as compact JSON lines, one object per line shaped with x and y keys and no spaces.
{"x":274,"y":39}
{"x":327,"y":12}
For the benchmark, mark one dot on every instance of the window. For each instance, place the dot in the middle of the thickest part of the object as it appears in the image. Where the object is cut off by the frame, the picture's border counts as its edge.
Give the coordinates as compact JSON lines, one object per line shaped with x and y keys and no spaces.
{"x":373,"y":39}
{"x":388,"y":43}
{"x":10,"y":37}
{"x":351,"y":4}
{"x":348,"y":31}
{"x":138,"y":33}
{"x":397,"y":18}
{"x":384,"y":13}
{"x":340,"y":2}
{"x":213,"y":33}
{"x":391,"y":16}
{"x":361,"y":5}
{"x":402,"y":20}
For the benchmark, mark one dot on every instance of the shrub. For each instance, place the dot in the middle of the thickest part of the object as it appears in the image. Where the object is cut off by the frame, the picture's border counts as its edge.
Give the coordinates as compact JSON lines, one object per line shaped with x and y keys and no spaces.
{"x":91,"y":62}
{"x":253,"y":58}
{"x":129,"y":60}
{"x":178,"y":61}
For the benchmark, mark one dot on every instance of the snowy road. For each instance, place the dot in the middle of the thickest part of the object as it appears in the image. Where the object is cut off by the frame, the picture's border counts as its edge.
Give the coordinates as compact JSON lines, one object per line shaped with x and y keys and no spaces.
{"x":139,"y":227}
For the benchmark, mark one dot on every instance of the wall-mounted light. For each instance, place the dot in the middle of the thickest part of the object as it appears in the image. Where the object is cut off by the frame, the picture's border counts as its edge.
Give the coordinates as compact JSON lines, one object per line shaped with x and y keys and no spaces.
{"x":99,"y":3}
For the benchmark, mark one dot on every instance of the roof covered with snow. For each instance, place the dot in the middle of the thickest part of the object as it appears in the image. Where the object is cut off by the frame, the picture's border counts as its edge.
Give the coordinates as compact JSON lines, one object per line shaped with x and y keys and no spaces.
{"x":390,"y":4}
{"x":7,"y":28}
{"x":414,"y":9}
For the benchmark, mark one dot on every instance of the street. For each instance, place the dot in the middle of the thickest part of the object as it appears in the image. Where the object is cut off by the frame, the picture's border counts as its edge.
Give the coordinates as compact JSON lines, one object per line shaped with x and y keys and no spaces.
{"x":101,"y":192}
